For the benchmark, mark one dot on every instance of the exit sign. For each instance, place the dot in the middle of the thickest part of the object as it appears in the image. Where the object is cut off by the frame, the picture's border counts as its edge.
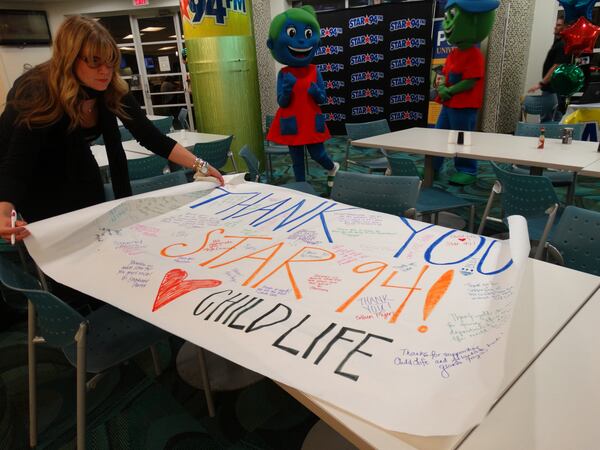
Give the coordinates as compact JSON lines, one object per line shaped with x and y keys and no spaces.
{"x":141,"y":2}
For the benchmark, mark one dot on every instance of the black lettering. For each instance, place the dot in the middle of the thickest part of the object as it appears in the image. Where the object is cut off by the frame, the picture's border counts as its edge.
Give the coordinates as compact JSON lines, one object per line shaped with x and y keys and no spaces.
{"x":197,"y":313}
{"x":254,"y":327}
{"x":317,"y":339}
{"x":232,"y":324}
{"x":277,"y":343}
{"x":356,"y":349}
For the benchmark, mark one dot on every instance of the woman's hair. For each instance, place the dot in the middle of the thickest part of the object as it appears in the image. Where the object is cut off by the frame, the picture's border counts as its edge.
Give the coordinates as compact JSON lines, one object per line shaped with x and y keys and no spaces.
{"x":52,"y":89}
{"x":305,"y":14}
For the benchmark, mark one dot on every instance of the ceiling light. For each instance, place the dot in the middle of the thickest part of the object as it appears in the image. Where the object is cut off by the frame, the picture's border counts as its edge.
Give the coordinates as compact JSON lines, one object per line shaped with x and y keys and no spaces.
{"x":167,"y":48}
{"x":153,"y":28}
{"x":129,"y":36}
{"x":127,"y":48}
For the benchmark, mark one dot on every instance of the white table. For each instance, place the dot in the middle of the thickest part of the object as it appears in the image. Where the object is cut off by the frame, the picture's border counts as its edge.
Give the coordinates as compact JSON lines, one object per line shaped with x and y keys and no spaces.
{"x":549,"y":296}
{"x":151,"y":117}
{"x":555,"y":405}
{"x":593,"y":170}
{"x":421,"y":141}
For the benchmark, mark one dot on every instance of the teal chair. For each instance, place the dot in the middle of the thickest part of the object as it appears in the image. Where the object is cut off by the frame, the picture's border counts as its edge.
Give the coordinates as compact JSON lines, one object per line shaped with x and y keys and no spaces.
{"x":552,"y":131}
{"x":93,"y":344}
{"x":216,"y":153}
{"x":183,"y":120}
{"x":539,"y":105}
{"x":273,"y":149}
{"x":576,"y":240}
{"x":150,"y":166}
{"x":150,"y":184}
{"x":364,"y":130}
{"x":532,"y":197}
{"x":391,"y":195}
{"x":255,"y":175}
{"x":431,"y":200}
{"x":164,"y":125}
{"x":125,"y":134}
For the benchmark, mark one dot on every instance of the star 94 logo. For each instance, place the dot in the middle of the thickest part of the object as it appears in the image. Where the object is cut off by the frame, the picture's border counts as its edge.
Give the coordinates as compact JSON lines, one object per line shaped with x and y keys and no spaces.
{"x":335,"y":117}
{"x":407,"y":81}
{"x":366,"y":39}
{"x":365,"y":58}
{"x":195,"y":10}
{"x":334,"y":84}
{"x":402,"y":63}
{"x":362,"y":21}
{"x":366,"y":110}
{"x":366,"y":76}
{"x":366,"y":93}
{"x":404,"y":24}
{"x":330,"y":67}
{"x":331,"y":32}
{"x":407,"y":98}
{"x":335,"y":100}
{"x":405,"y":115}
{"x":399,"y":44}
{"x":329,"y":50}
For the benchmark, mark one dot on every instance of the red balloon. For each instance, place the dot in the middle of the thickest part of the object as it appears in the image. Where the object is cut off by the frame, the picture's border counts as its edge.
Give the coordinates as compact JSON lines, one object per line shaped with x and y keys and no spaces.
{"x":580,"y":37}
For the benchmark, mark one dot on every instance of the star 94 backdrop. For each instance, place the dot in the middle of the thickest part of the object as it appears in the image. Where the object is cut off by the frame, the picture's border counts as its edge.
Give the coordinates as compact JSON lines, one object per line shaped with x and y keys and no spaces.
{"x":376,"y":62}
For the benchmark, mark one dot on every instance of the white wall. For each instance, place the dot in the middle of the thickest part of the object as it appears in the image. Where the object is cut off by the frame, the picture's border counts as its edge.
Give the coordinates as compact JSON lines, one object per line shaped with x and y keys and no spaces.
{"x":542,"y":37}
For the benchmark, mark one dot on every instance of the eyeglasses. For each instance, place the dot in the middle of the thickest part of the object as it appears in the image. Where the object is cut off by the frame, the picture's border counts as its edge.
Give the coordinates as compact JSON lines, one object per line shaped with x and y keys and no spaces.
{"x":94,"y":62}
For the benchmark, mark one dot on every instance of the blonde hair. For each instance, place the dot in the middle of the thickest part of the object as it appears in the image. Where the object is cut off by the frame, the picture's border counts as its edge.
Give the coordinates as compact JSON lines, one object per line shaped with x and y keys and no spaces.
{"x":52,"y":89}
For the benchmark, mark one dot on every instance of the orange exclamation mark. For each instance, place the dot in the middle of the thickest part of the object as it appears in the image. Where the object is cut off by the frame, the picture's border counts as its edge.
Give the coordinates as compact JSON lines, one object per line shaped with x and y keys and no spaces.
{"x":435,"y":294}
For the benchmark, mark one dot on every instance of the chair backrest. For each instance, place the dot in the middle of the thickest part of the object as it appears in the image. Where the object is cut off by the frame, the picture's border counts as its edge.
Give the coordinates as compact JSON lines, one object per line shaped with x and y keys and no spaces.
{"x":539,"y":104}
{"x":526,"y":195}
{"x":215,"y":153}
{"x":577,"y":237}
{"x":125,"y":134}
{"x":401,"y":166}
{"x":551,"y":130}
{"x":367,"y":129}
{"x":150,"y":166}
{"x":268,"y":121}
{"x":164,"y":125}
{"x":158,"y":182}
{"x":251,"y":161}
{"x":57,"y":322}
{"x":392,"y":195}
{"x":182,"y":118}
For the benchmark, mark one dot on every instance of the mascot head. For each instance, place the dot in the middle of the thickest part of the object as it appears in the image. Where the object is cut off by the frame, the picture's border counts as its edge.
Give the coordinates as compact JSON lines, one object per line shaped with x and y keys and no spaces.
{"x":467,"y":22}
{"x":294,"y":36}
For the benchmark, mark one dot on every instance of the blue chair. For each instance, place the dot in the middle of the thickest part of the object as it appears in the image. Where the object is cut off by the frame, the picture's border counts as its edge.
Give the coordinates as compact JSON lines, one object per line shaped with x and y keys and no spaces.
{"x":253,"y":165}
{"x":273,"y":149}
{"x":150,"y":166}
{"x":182,"y":118}
{"x":364,"y":130}
{"x":431,"y":200}
{"x":539,"y":105}
{"x":552,"y":131}
{"x":532,"y":197}
{"x":216,"y":153}
{"x":164,"y":125}
{"x":576,"y":240}
{"x":150,"y":184}
{"x":391,"y":195}
{"x":93,"y":344}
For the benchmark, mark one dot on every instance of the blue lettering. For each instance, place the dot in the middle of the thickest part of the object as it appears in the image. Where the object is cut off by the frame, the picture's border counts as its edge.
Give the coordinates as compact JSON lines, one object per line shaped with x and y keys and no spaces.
{"x":439,"y":240}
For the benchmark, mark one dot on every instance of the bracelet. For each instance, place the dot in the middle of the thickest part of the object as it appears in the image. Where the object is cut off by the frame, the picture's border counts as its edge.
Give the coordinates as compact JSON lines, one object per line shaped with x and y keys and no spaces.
{"x":200,"y":165}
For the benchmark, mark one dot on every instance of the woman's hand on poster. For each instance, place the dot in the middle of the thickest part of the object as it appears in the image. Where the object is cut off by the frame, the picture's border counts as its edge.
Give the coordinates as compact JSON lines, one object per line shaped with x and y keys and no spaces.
{"x":7,"y":230}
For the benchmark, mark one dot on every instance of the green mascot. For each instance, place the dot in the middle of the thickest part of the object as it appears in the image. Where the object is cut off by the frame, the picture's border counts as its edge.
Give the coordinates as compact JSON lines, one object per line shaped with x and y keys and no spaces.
{"x":466,"y":23}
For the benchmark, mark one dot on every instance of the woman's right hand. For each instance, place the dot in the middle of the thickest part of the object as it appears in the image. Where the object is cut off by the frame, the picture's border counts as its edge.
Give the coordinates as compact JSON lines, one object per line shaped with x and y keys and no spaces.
{"x":6,"y":230}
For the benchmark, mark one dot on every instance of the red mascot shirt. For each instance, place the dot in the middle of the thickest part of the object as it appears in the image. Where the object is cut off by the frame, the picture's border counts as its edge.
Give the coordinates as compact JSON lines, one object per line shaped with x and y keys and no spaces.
{"x":463,"y":65}
{"x":304,"y":108}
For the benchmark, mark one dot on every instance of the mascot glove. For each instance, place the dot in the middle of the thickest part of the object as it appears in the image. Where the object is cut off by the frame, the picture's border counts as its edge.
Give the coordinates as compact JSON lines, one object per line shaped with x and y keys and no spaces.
{"x":444,"y":92}
{"x":288,"y":82}
{"x":316,"y":93}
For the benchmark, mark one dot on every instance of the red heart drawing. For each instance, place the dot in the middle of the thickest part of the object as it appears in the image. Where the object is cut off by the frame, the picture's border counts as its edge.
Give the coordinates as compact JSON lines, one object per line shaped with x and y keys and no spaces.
{"x":462,"y":239}
{"x":174,"y":285}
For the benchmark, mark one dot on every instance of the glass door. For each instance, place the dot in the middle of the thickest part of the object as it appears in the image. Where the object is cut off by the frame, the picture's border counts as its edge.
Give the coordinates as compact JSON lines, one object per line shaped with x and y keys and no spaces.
{"x":152,"y":63}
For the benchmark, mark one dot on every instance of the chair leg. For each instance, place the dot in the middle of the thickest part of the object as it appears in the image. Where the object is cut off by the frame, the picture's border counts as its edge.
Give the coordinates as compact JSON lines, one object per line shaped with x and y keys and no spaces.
{"x":471,"y":218}
{"x":81,"y":340}
{"x":155,"y":360}
{"x":496,"y":189}
{"x":235,"y":167}
{"x":539,"y":251}
{"x":206,"y":383}
{"x":31,"y":365}
{"x":347,"y":152}
{"x":269,"y":168}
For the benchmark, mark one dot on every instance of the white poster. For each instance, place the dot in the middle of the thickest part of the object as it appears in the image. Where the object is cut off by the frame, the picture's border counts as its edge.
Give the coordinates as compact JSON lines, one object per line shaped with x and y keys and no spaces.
{"x":163,"y":64}
{"x":400,"y":322}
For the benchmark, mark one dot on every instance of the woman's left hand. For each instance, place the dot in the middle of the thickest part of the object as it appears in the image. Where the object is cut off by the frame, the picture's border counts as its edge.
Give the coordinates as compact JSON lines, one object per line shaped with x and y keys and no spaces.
{"x":212,"y":172}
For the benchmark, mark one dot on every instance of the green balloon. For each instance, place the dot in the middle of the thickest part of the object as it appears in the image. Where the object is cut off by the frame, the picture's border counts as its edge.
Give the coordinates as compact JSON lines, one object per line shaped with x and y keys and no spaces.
{"x":567,"y":79}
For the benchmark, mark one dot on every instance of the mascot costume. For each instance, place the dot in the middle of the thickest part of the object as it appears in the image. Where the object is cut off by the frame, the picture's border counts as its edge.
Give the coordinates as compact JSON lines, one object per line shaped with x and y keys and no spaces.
{"x":466,"y":23}
{"x":294,"y":38}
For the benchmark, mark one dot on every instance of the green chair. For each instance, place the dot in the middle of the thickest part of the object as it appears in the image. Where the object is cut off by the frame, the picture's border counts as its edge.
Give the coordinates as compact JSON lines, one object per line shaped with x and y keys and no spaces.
{"x":431,"y":200}
{"x":254,"y":171}
{"x":216,"y":153}
{"x":551,"y":130}
{"x":155,"y":183}
{"x":273,"y":149}
{"x":391,"y":195}
{"x":93,"y":344}
{"x":532,"y":197}
{"x":164,"y":125}
{"x":364,"y":130}
{"x":576,"y":240}
{"x":539,"y":105}
{"x":150,"y":166}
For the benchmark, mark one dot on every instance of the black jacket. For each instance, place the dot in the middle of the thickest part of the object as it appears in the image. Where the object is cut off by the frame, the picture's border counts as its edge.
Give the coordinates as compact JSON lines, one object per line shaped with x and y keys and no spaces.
{"x":49,"y":171}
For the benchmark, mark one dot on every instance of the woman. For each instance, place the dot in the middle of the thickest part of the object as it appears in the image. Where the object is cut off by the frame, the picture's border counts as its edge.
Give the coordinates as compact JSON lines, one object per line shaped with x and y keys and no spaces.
{"x":53,"y":113}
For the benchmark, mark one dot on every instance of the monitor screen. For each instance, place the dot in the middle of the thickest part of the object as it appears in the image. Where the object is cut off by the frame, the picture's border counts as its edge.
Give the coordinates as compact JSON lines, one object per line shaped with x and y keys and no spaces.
{"x":19,"y":27}
{"x":149,"y":61}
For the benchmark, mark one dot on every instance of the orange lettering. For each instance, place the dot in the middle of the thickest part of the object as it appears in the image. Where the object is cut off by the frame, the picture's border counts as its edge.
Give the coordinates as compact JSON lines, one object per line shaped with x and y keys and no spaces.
{"x":163,"y":252}
{"x":381,"y":267}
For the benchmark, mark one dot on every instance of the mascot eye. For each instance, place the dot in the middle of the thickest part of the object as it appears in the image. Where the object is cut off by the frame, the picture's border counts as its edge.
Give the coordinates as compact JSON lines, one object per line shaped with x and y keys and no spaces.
{"x":308,"y":33}
{"x":291,"y":31}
